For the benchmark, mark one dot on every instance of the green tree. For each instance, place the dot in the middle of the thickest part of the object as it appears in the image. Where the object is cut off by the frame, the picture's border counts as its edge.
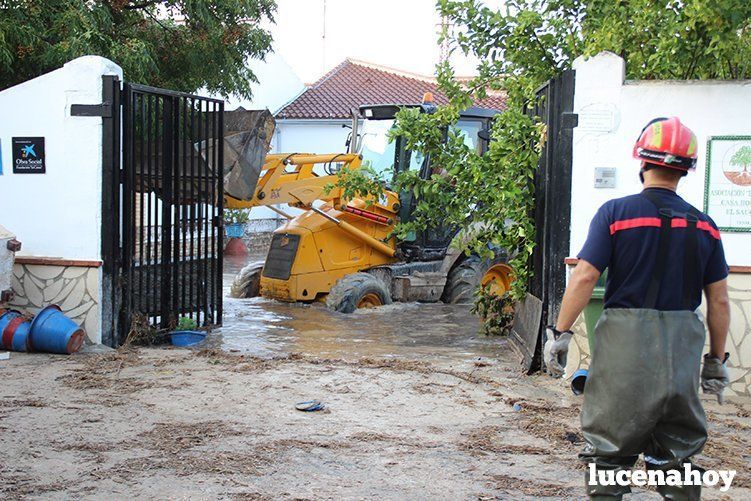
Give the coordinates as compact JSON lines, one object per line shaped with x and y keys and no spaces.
{"x":742,"y":157}
{"x":526,"y":42}
{"x":519,"y":47}
{"x":178,"y":44}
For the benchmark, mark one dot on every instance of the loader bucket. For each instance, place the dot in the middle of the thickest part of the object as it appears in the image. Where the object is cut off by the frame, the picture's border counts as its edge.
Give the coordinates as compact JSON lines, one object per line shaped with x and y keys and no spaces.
{"x":247,"y":139}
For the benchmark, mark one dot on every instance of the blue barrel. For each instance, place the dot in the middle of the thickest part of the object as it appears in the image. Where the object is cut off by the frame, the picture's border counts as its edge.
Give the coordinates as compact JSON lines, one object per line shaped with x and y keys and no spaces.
{"x":15,"y":332}
{"x":579,"y":381}
{"x":53,"y":332}
{"x":6,"y":340}
{"x":19,"y":329}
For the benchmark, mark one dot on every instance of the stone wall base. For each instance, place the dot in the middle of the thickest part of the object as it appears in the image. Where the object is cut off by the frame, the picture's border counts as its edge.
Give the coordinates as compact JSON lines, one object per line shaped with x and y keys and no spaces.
{"x":75,"y":288}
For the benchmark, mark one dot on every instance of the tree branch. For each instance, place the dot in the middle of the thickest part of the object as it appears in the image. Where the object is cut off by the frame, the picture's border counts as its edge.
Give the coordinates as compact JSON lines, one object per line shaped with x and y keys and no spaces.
{"x":694,"y":58}
{"x":544,"y":51}
{"x":157,"y":21}
{"x":142,"y":5}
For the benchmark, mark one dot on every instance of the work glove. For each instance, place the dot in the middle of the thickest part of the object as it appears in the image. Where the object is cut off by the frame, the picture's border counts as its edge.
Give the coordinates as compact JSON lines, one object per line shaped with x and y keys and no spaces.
{"x":555,"y":350}
{"x":714,"y":376}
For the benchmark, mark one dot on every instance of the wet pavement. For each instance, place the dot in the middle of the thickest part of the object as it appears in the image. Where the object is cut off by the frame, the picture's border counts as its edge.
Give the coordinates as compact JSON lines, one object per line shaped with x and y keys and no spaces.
{"x":265,"y":328}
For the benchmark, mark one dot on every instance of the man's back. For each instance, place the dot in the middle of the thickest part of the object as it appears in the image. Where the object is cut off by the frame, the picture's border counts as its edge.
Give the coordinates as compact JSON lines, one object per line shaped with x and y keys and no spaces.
{"x":641,"y":393}
{"x":623,"y":238}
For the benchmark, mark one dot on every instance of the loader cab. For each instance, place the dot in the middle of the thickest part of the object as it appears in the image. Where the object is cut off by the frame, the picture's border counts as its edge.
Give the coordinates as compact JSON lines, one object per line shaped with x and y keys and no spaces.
{"x":386,"y":155}
{"x":390,"y":156}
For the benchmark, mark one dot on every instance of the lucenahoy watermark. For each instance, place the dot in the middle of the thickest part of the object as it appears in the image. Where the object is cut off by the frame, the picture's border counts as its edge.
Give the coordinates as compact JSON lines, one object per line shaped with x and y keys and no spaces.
{"x":640,"y":478}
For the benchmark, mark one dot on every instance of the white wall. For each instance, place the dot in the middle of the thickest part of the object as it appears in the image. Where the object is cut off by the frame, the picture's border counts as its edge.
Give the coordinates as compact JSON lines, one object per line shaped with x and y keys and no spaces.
{"x":310,"y":136}
{"x":277,"y":85}
{"x":613,"y":112}
{"x":57,"y":214}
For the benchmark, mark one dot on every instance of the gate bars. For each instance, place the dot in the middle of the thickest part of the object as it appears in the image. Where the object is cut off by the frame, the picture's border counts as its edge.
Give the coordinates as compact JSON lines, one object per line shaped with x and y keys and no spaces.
{"x":167,"y":236}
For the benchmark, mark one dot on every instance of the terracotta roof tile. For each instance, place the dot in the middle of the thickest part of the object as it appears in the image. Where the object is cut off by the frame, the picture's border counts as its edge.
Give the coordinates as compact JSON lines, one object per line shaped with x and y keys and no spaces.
{"x":355,"y":83}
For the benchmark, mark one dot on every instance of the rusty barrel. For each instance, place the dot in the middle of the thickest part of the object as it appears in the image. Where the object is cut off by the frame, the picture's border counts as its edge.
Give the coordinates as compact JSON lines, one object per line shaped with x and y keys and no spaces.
{"x":53,"y":332}
{"x":14,"y":331}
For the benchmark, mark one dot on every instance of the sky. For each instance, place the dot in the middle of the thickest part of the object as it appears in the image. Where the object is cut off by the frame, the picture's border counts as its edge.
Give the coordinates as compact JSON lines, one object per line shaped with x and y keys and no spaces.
{"x":402,"y":34}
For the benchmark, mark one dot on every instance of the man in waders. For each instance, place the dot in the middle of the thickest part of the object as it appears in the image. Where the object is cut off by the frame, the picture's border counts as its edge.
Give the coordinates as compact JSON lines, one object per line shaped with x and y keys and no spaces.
{"x":641,"y":395}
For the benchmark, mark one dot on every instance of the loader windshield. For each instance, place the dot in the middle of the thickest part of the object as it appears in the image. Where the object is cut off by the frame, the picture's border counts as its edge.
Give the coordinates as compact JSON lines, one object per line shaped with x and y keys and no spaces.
{"x":378,"y":152}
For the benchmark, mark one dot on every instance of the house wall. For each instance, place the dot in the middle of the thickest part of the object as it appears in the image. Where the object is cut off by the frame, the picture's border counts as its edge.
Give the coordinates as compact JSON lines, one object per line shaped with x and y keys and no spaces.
{"x":310,"y":136}
{"x":612,"y":113}
{"x":277,"y":85}
{"x":57,"y":215}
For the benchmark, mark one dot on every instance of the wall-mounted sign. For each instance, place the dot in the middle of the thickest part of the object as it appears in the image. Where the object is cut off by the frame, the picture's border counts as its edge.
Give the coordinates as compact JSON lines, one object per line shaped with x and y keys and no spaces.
{"x":28,"y":155}
{"x":727,"y":191}
{"x":602,"y":118}
{"x":604,"y":177}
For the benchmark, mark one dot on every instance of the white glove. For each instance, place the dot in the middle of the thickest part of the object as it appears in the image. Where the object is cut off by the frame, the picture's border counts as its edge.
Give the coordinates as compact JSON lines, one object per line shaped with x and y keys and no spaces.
{"x":714,"y":376}
{"x":555,"y":350}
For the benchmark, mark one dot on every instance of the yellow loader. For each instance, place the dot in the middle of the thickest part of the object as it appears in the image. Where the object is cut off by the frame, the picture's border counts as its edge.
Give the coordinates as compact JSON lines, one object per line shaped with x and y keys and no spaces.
{"x":343,"y":251}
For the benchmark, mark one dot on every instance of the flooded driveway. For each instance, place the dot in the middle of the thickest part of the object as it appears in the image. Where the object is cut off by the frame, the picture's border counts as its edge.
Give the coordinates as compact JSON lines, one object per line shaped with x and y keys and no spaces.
{"x":417,"y":406}
{"x":435,"y":331}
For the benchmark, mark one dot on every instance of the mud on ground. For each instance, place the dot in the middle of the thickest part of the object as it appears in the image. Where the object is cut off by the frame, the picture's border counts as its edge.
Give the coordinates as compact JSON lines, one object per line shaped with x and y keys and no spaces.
{"x":177,"y":424}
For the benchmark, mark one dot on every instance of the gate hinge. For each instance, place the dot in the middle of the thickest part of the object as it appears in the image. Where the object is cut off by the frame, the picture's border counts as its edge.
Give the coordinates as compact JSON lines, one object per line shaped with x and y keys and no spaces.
{"x":569,"y":120}
{"x":91,"y":110}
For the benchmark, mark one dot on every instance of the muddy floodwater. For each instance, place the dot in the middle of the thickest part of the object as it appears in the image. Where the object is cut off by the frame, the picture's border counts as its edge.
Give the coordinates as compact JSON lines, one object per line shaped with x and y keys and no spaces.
{"x":264,"y":327}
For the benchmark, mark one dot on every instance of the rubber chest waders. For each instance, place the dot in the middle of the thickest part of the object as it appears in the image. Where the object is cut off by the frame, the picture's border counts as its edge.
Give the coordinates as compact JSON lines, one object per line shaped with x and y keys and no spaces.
{"x":642,"y":391}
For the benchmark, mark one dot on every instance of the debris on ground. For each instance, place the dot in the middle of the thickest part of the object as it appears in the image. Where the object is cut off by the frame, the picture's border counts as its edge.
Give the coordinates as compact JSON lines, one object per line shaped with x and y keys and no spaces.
{"x":310,"y":406}
{"x":166,"y":423}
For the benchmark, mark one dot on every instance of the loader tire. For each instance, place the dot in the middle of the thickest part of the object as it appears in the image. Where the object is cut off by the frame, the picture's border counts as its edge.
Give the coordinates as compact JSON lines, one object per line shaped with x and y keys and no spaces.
{"x":247,"y":283}
{"x":358,"y":290}
{"x":465,"y":278}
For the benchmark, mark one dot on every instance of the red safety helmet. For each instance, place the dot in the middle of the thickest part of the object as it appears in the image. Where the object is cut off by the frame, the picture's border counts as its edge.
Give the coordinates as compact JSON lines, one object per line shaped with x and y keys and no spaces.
{"x":667,"y":142}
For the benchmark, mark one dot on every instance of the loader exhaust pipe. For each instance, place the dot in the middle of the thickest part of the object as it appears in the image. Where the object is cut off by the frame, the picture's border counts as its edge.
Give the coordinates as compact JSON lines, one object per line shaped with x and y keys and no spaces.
{"x":353,"y":146}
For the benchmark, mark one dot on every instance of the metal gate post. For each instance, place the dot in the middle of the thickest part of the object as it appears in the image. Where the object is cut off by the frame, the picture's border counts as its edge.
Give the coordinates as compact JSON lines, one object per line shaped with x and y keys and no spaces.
{"x":111,"y":298}
{"x":127,"y":182}
{"x":219,"y":148}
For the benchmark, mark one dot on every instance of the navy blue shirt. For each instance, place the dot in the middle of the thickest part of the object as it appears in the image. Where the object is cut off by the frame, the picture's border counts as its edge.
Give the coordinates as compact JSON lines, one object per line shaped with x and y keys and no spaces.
{"x":623,"y":237}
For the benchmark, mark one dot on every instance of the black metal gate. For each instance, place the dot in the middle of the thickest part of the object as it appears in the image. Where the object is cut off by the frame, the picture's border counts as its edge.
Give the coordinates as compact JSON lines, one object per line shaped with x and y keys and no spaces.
{"x":162,"y":245}
{"x":554,"y":104}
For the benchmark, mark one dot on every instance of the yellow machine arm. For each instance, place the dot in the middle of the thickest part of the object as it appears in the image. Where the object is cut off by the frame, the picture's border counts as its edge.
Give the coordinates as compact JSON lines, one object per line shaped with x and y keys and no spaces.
{"x":289,"y":179}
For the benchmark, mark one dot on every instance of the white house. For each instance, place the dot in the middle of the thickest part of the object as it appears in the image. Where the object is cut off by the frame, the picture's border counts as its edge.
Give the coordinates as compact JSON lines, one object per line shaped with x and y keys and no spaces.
{"x":313,"y":121}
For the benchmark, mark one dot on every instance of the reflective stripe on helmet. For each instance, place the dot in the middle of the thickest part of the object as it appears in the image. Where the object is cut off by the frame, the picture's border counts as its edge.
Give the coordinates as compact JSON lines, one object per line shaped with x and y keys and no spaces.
{"x":667,"y":142}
